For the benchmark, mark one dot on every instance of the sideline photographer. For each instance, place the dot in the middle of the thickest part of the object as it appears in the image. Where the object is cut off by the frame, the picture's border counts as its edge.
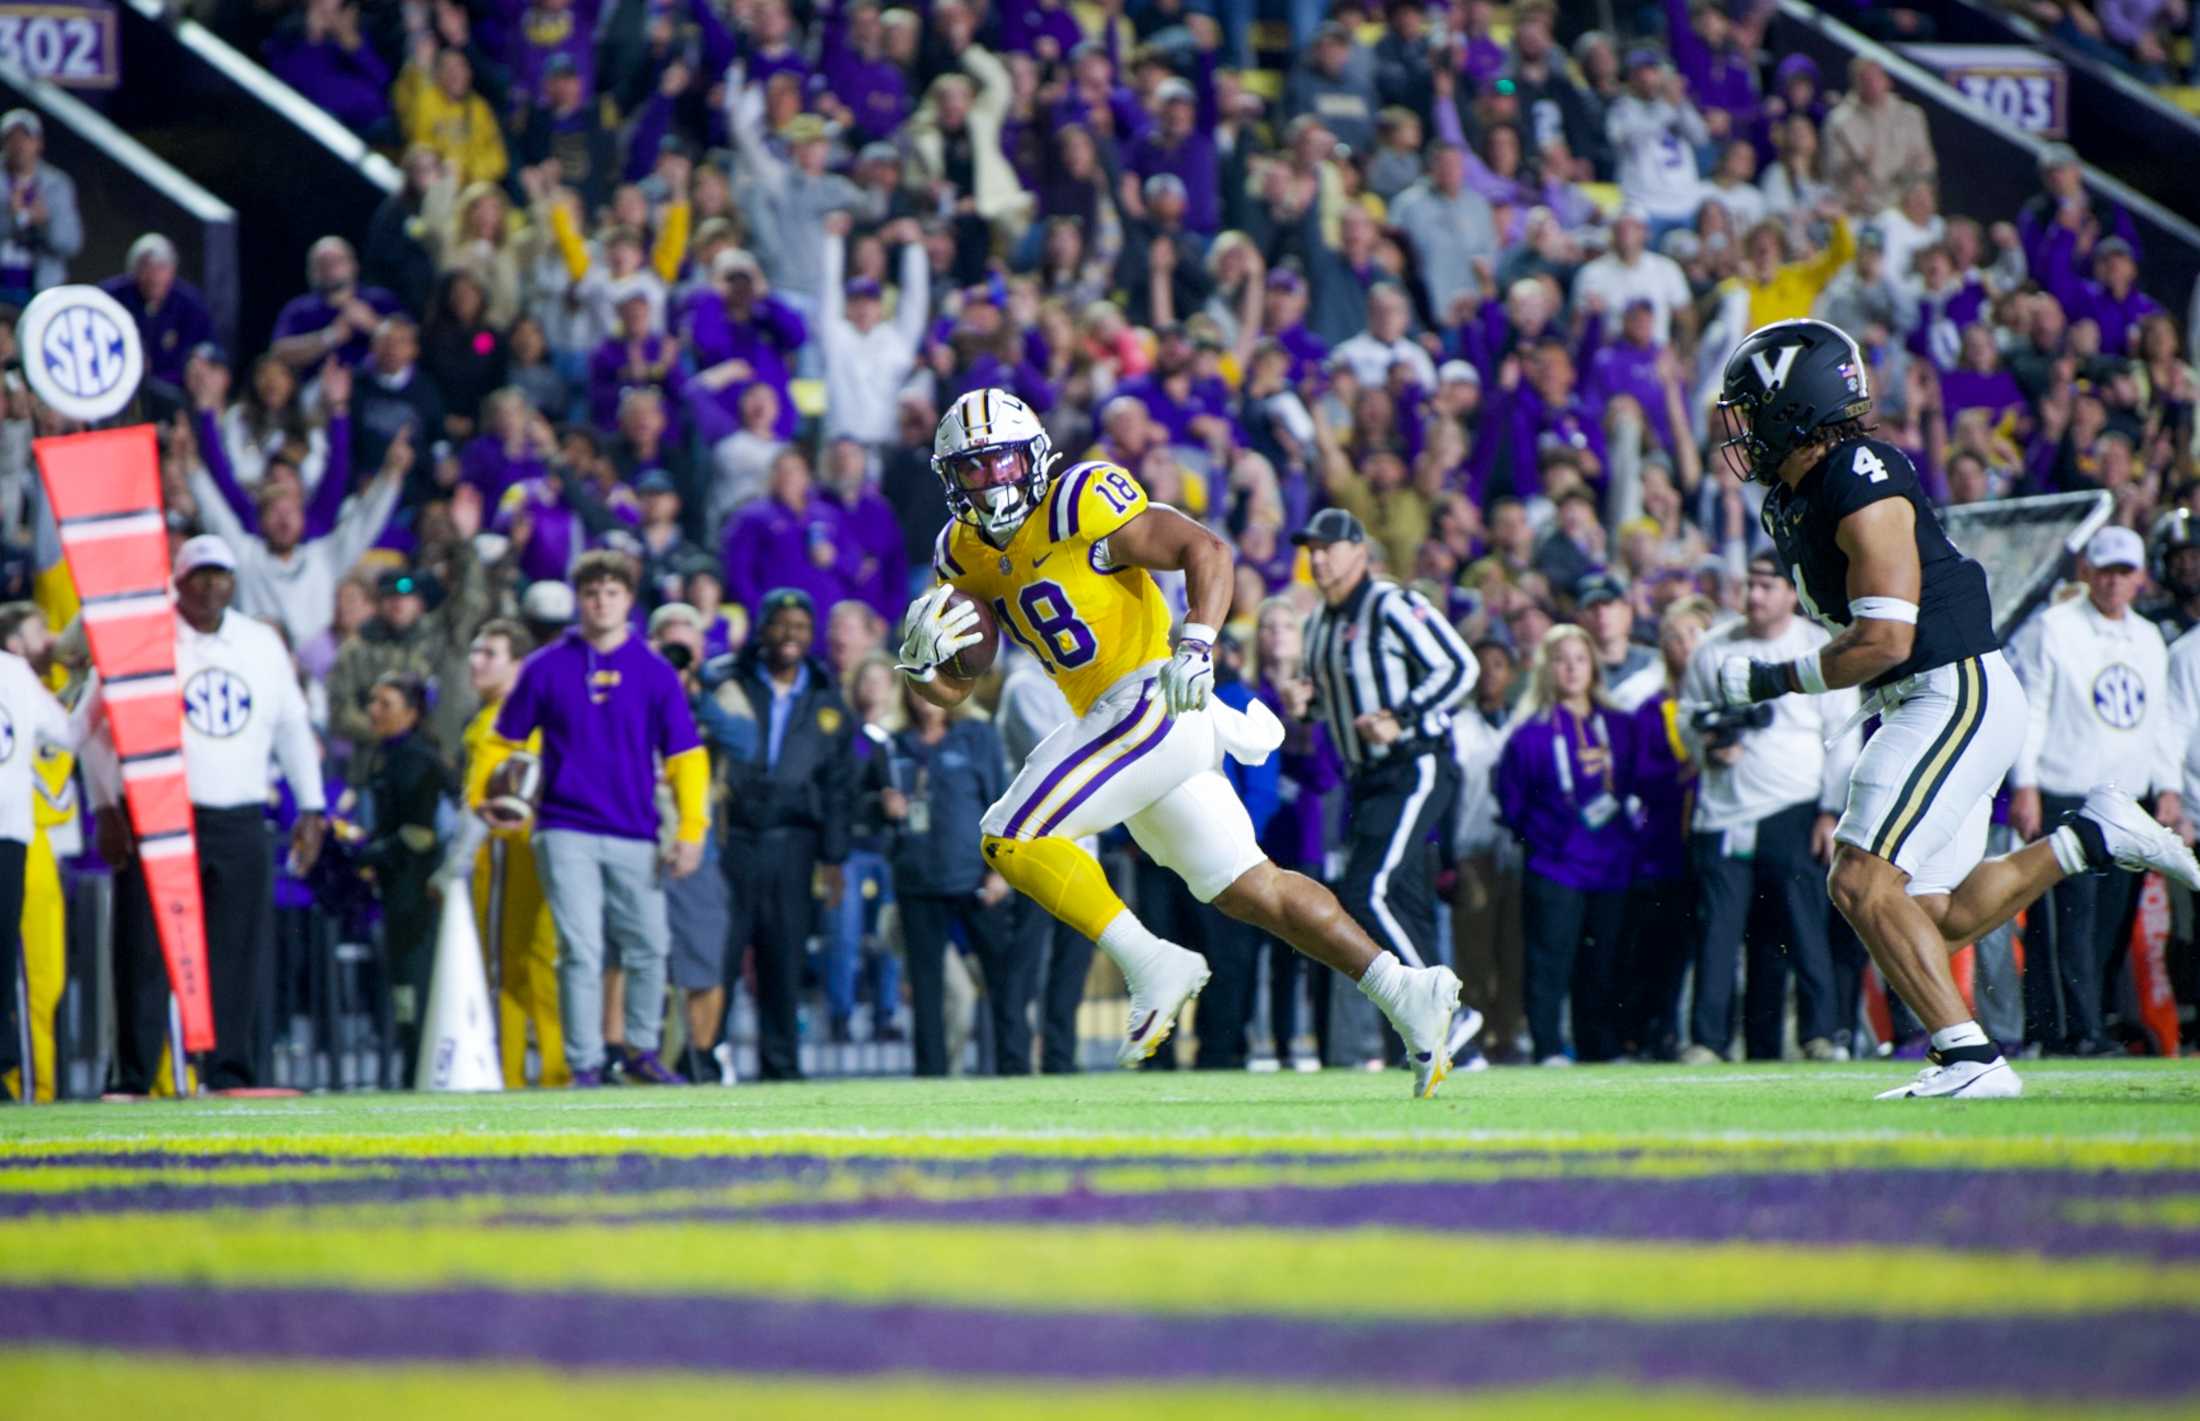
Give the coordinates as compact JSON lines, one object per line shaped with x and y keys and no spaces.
{"x":1769,"y":795}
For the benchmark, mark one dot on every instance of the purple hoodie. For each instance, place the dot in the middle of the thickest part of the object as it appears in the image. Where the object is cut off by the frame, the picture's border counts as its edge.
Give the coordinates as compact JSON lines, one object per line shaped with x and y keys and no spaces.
{"x":486,"y":466}
{"x":768,"y":545}
{"x":1542,"y":791}
{"x":1665,"y":782}
{"x":1623,"y":369}
{"x":1725,"y":80}
{"x":767,"y":340}
{"x":1937,"y":334}
{"x":882,"y":560}
{"x":353,"y":85}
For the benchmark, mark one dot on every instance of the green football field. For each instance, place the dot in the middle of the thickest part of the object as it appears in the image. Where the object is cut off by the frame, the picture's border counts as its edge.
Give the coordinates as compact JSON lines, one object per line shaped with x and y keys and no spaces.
{"x":1618,"y":1242}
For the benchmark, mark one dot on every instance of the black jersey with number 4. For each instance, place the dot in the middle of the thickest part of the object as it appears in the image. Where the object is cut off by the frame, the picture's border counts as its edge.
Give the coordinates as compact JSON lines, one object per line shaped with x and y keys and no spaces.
{"x":1955,"y":619}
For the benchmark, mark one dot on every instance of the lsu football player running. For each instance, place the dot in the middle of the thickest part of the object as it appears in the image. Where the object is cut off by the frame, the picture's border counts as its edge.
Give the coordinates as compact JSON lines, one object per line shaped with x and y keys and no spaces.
{"x":1064,"y":565}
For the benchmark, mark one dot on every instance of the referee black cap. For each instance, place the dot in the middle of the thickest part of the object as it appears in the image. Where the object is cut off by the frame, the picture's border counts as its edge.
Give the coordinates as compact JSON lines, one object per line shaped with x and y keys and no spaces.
{"x":1331,"y":525}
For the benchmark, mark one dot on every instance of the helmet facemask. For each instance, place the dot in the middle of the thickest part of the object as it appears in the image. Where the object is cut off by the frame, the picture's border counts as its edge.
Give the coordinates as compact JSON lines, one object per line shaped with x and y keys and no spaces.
{"x":1746,"y":455}
{"x":995,"y":487}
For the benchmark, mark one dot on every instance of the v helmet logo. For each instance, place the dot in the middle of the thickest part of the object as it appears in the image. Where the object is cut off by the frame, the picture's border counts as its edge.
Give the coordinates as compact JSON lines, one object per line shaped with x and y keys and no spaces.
{"x":1772,"y":374}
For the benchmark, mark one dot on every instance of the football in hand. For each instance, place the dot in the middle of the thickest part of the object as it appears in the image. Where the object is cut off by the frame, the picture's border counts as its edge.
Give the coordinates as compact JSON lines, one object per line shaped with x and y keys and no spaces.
{"x":514,"y":789}
{"x":975,"y":660}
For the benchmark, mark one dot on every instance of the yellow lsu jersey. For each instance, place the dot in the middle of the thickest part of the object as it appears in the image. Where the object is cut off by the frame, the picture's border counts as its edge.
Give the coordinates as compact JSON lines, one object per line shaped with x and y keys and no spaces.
{"x":1052,"y":589}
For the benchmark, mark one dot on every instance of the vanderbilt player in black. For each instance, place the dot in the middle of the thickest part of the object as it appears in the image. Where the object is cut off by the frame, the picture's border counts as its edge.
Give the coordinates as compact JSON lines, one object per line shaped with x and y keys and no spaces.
{"x":1914,"y":628}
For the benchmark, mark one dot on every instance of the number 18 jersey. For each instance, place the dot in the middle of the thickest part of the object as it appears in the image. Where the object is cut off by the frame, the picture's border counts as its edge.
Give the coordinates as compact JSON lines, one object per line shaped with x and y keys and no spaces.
{"x":1955,"y":617}
{"x":1053,"y":590}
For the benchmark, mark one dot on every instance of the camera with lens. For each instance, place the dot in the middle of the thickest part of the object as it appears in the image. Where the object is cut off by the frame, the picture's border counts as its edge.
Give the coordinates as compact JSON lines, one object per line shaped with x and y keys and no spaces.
{"x":677,"y":655}
{"x":1723,"y":726}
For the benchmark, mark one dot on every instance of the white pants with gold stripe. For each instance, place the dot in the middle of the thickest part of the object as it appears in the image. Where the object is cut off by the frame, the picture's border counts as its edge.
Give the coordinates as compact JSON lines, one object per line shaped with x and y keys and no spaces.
{"x":1126,"y":761}
{"x":1922,"y":794}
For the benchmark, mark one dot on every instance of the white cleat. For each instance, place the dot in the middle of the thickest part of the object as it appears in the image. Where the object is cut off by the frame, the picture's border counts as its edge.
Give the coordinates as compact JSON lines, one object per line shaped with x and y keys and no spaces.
{"x":1423,"y":1021}
{"x":2135,"y":841}
{"x":1163,"y":992}
{"x":1969,"y":1079}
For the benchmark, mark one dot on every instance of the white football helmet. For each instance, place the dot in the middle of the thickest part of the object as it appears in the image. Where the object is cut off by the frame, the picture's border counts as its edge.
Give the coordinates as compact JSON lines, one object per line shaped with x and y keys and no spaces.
{"x":977,"y":432}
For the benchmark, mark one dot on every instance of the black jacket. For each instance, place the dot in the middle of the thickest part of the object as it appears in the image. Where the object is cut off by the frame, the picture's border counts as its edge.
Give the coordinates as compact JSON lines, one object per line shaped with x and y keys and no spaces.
{"x":812,"y":785}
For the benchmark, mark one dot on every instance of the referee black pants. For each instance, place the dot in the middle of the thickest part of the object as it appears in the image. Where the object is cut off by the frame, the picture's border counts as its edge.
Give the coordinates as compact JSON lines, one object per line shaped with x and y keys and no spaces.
{"x":237,"y":888}
{"x":1389,"y":883}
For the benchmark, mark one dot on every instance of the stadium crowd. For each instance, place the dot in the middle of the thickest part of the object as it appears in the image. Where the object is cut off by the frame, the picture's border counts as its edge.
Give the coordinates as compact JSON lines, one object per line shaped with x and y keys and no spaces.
{"x":690,"y":283}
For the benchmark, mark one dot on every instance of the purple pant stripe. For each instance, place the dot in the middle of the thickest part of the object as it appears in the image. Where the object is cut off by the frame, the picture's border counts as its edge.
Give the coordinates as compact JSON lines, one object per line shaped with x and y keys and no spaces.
{"x":1075,"y":758}
{"x":2101,"y":1356}
{"x":1160,"y":732}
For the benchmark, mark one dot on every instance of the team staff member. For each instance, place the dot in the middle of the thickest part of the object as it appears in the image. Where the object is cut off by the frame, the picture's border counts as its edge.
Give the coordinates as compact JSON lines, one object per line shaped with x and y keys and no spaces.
{"x":788,"y":812}
{"x":2097,"y":677}
{"x":54,"y":836}
{"x":1385,"y":671}
{"x":31,"y":720}
{"x":241,"y":709}
{"x":608,"y":709}
{"x":1766,"y":806}
{"x":509,"y":909}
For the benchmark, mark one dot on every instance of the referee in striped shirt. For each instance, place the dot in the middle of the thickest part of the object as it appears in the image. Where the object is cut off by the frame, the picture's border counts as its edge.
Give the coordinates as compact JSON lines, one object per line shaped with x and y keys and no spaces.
{"x":1384,"y":672}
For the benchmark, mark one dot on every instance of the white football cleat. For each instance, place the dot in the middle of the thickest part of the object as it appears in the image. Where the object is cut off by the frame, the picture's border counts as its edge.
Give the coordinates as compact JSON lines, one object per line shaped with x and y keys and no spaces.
{"x":1163,"y":991}
{"x":1969,"y":1079}
{"x":2135,"y":841}
{"x":1423,"y":1021}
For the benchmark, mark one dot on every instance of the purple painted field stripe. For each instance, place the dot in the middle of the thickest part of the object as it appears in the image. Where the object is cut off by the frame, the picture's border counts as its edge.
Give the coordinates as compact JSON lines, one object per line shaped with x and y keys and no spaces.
{"x":1078,"y":757}
{"x":2133,"y":1355}
{"x":1144,"y":747}
{"x":2020,"y":1211}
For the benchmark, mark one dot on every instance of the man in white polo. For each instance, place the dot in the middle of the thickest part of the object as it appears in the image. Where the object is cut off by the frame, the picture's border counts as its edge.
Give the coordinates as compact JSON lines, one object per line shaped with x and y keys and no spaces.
{"x":2097,"y":677}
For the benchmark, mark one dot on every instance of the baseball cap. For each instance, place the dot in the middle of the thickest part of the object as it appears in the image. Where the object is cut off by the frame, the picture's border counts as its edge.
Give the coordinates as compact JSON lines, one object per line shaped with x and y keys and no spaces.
{"x":864,"y":288}
{"x":1598,"y":587}
{"x":655,"y":481}
{"x":23,"y":119}
{"x":779,"y":599}
{"x":1282,"y":278}
{"x":2058,"y":155}
{"x":803,"y":128}
{"x":1164,"y":183}
{"x":881,"y":152}
{"x":1171,"y":90}
{"x":1331,"y":525}
{"x":2111,"y":247}
{"x":547,"y":601}
{"x":1452,"y":370}
{"x":1872,"y":237}
{"x":2111,"y":547}
{"x":206,"y":550}
{"x":559,"y":66}
{"x":398,"y":582}
{"x":674,"y":612}
{"x":1642,"y":56}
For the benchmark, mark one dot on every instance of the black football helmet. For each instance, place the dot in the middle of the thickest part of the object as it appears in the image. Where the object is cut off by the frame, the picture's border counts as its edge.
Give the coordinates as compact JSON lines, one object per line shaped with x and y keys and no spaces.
{"x":2174,"y":532}
{"x":1785,"y":384}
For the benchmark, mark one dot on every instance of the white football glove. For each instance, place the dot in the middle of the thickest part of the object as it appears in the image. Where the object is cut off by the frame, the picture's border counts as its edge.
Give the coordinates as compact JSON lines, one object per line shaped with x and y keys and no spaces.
{"x":1188,"y":676}
{"x":932,"y":632}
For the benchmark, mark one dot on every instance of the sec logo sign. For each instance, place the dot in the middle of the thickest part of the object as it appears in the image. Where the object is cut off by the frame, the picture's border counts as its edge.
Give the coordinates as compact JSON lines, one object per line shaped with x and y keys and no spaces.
{"x":2120,"y":696}
{"x":217,"y":703}
{"x":81,"y":352}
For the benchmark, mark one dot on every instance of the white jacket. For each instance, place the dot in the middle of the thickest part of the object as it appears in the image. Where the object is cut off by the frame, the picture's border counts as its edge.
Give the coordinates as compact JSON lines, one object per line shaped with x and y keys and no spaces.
{"x":2184,"y":710}
{"x":2100,"y":703}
